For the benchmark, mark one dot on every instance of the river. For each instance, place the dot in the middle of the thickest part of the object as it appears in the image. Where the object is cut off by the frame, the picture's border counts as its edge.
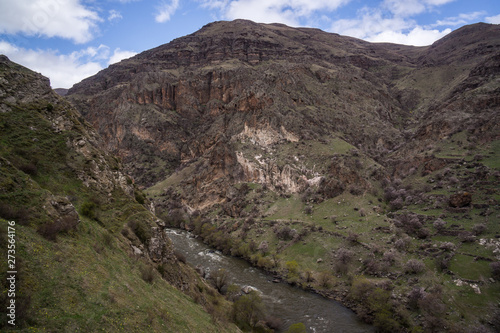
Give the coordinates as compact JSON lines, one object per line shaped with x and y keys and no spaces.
{"x":291,"y":304}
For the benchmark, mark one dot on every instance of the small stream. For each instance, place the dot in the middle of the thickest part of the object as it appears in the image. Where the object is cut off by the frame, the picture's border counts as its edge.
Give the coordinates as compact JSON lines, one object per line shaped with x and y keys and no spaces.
{"x":291,"y":304}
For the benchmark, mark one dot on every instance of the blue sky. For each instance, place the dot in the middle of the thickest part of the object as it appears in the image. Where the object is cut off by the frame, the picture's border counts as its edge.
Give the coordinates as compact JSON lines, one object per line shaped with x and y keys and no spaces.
{"x":69,"y":40}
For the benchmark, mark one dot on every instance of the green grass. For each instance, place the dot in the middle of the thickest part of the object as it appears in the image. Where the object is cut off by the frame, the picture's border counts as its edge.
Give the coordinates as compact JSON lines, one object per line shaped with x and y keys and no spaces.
{"x":75,"y":284}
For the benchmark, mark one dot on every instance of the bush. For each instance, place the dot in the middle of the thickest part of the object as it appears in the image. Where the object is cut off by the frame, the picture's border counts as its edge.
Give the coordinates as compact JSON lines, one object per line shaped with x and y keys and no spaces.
{"x":139,"y":197}
{"x":297,"y":328}
{"x":29,"y":169}
{"x":414,"y":266}
{"x":292,"y":268}
{"x":248,"y":310}
{"x":325,"y":279}
{"x":60,"y":226}
{"x":141,"y":230}
{"x":147,"y":273}
{"x":88,"y":209}
{"x":495,"y":270}
{"x":439,"y":224}
{"x":415,"y":295}
{"x":219,"y":279}
{"x":479,"y":229}
{"x":285,"y":233}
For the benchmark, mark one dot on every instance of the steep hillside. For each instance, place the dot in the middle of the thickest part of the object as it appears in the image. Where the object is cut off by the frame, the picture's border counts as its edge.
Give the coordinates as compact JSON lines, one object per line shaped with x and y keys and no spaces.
{"x":88,"y":254}
{"x":367,"y":172}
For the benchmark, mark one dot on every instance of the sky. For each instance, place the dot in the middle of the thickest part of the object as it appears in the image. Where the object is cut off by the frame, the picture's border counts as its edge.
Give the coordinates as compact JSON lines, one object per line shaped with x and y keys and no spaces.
{"x":69,"y":40}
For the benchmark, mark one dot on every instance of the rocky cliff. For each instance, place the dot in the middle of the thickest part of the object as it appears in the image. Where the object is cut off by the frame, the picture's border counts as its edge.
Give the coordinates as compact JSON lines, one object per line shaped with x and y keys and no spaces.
{"x":231,"y":83}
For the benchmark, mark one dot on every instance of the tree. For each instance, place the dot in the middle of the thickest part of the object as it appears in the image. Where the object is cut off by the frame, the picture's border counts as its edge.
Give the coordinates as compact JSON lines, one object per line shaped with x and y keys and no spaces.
{"x":248,"y":310}
{"x":219,"y":279}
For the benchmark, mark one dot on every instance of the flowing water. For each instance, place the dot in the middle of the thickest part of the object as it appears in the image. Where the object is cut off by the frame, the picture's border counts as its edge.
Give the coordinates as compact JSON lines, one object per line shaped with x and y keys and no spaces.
{"x":291,"y":304}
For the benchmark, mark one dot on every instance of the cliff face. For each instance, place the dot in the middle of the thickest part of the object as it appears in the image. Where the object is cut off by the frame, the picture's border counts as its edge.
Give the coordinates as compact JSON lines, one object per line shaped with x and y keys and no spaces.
{"x":237,"y":91}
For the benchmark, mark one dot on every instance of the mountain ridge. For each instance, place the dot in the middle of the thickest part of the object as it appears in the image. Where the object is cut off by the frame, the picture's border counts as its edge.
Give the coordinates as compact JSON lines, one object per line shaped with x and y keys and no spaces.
{"x":260,"y":134}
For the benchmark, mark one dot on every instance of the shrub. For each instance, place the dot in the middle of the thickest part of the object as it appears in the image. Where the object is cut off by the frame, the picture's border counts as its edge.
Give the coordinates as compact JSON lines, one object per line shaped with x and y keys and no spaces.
{"x":107,"y":239}
{"x":60,"y":226}
{"x":402,"y":244}
{"x":325,"y":279}
{"x":353,"y":237}
{"x":147,"y":273}
{"x":292,"y":268}
{"x":495,"y":270}
{"x":88,"y":209}
{"x":415,"y":295}
{"x":248,"y":310}
{"x":219,"y":279}
{"x":8,"y":212}
{"x":308,"y":276}
{"x":414,"y":266}
{"x":140,"y":229}
{"x":139,"y":197}
{"x":263,"y":247}
{"x":479,"y":229}
{"x":29,"y":169}
{"x":297,"y":328}
{"x":439,"y":224}
{"x":285,"y":233}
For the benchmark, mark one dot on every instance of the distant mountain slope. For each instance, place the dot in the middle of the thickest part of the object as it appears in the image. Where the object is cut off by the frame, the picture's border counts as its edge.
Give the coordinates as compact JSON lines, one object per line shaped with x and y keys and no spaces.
{"x":88,"y":253}
{"x":174,"y":104}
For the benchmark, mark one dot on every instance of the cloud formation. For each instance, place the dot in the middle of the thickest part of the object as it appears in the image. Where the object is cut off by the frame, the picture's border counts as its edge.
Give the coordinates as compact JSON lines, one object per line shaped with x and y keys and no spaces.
{"x":290,"y":12}
{"x":67,"y":19}
{"x":119,"y":55}
{"x":166,"y":10}
{"x":493,"y":19}
{"x":64,"y":70}
{"x":114,"y":15}
{"x":392,"y":21}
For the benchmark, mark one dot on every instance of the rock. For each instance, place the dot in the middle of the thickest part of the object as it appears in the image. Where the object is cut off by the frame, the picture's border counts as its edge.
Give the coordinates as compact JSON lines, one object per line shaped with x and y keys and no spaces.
{"x":136,"y":250}
{"x":460,"y":200}
{"x":248,"y":289}
{"x":319,"y":260}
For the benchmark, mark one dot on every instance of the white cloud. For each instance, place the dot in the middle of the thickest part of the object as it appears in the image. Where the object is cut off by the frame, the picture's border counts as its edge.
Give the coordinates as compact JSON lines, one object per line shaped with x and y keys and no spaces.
{"x":418,"y":36}
{"x":289,"y":12}
{"x":114,"y":15}
{"x":493,"y":19}
{"x":64,"y":70}
{"x":373,"y":26}
{"x":119,"y":55}
{"x":458,"y":20}
{"x":412,"y":7}
{"x":67,"y":19}
{"x":166,"y":10}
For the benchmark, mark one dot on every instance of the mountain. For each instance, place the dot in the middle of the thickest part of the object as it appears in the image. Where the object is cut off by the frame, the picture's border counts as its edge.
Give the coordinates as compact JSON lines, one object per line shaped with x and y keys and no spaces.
{"x":86,"y":252}
{"x":373,"y":168}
